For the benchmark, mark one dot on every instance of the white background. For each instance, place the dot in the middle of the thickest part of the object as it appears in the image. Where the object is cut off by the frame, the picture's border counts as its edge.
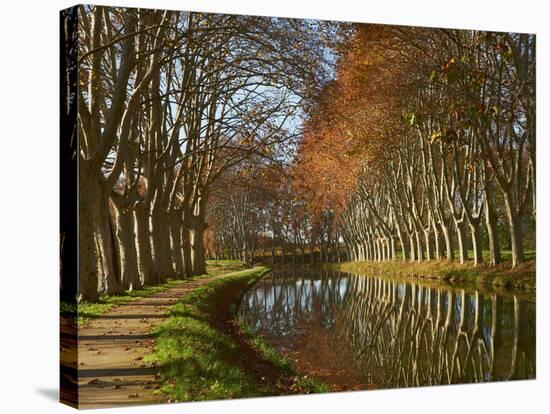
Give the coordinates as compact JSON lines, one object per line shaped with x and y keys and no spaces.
{"x":29,"y":205}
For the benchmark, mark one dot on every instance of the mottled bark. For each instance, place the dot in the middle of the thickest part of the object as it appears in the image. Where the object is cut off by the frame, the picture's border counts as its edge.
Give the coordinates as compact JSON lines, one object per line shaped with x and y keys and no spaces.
{"x":492,"y":235}
{"x":88,"y":204}
{"x":176,"y":243}
{"x":462,"y":252}
{"x":109,"y":282}
{"x":186,"y":249}
{"x":515,"y":228}
{"x":125,"y":244}
{"x":197,"y":245}
{"x":144,"y":251}
{"x":161,"y":243}
{"x":476,"y":242}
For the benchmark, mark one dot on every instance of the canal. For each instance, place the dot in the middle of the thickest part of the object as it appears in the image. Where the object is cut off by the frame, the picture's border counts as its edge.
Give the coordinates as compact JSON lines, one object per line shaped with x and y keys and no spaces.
{"x":361,"y":332}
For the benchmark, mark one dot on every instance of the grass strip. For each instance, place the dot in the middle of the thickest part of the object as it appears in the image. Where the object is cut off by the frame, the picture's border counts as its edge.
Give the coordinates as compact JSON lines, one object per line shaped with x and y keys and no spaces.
{"x":206,"y":354}
{"x":522,"y":278}
{"x":89,"y":310}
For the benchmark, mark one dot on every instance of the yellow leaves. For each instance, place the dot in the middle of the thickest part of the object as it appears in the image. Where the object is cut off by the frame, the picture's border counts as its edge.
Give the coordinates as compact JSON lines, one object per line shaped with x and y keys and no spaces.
{"x":435,"y":137}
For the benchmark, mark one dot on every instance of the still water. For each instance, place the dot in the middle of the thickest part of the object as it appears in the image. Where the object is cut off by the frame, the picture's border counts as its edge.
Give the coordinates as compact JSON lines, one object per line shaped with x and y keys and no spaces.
{"x":359,"y":332}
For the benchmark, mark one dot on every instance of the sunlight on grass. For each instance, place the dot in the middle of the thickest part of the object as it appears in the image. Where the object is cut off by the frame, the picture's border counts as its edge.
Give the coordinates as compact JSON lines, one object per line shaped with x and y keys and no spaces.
{"x":201,"y":360}
{"x":89,"y":310}
{"x":523,"y":277}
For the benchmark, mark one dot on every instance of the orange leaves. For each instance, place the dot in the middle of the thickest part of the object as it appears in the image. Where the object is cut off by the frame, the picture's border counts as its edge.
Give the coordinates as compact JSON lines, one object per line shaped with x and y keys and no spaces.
{"x":354,"y":121}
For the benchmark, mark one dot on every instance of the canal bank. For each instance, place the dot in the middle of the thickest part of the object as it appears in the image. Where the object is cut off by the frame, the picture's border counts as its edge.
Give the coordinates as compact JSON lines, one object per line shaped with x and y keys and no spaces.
{"x":520,"y":280}
{"x":205,"y":352}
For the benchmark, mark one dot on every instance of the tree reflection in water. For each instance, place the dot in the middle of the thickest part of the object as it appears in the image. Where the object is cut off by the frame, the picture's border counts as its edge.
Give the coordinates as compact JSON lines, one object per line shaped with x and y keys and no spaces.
{"x":400,"y":334}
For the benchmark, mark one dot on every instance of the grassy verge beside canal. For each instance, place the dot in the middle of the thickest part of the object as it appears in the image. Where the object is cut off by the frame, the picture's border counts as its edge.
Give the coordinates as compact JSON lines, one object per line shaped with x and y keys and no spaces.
{"x":206,"y":353}
{"x":521,"y":278}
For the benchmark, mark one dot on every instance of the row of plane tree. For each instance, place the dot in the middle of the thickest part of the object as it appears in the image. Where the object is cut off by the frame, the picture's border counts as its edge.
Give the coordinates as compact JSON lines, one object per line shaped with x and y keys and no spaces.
{"x":425,"y":144}
{"x":421,"y":147}
{"x":163,"y":103}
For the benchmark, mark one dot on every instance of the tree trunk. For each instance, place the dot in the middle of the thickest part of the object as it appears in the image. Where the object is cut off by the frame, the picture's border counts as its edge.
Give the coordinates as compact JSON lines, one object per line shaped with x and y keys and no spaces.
{"x":161,"y":245}
{"x":186,"y":249}
{"x":144,"y":252}
{"x":412,"y":248}
{"x":436,"y":242}
{"x":402,"y":243}
{"x":461,"y":245}
{"x":88,"y":208}
{"x":197,"y":245}
{"x":125,"y":244}
{"x":110,"y":282}
{"x":515,"y":227}
{"x":476,"y":242}
{"x":419,"y":248}
{"x":428,"y":244}
{"x":176,"y":225}
{"x":449,"y":250}
{"x":491,"y":224}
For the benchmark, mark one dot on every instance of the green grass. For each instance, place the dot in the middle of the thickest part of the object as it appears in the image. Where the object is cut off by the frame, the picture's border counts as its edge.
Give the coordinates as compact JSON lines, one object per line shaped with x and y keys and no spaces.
{"x":522,"y":278}
{"x":206,"y":355}
{"x":234,"y":264}
{"x":88,"y":310}
{"x":506,"y":255}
